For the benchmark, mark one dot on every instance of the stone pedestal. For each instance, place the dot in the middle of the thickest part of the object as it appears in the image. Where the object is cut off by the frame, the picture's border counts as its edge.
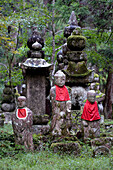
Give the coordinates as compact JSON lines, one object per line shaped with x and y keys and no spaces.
{"x":36,"y":90}
{"x":37,"y":73}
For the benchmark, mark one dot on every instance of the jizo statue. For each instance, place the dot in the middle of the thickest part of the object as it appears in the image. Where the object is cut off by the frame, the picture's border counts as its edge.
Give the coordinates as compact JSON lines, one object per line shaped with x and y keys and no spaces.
{"x":90,"y":117}
{"x":61,"y":106}
{"x":22,"y":122}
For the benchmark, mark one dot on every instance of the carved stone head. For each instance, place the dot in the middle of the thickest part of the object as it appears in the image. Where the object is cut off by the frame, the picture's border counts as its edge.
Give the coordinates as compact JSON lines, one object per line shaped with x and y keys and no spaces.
{"x":21,"y":101}
{"x":60,"y":78}
{"x":91,"y":96}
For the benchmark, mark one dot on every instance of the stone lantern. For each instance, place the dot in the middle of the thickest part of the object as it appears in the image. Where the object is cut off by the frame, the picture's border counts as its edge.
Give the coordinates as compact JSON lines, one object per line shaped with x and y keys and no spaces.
{"x":36,"y":71}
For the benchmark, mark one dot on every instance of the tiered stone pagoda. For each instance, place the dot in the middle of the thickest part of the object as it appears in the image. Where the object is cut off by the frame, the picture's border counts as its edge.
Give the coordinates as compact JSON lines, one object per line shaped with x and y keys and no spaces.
{"x":36,"y":71}
{"x":72,"y":60}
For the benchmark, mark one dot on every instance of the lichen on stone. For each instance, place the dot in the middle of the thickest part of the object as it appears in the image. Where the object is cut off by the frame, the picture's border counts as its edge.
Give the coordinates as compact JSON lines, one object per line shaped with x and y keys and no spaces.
{"x":76,"y":42}
{"x":77,"y":70}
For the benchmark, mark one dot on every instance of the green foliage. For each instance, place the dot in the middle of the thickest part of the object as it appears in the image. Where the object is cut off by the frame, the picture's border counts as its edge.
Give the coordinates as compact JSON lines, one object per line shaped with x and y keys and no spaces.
{"x":59,"y":38}
{"x":10,"y":158}
{"x":6,"y":141}
{"x":102,"y":13}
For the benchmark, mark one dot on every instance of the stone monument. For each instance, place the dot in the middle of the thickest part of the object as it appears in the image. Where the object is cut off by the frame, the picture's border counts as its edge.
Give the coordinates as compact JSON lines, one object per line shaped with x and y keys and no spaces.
{"x":90,"y":117}
{"x":72,"y":60}
{"x":61,"y":106}
{"x":36,"y":72}
{"x":22,"y":121}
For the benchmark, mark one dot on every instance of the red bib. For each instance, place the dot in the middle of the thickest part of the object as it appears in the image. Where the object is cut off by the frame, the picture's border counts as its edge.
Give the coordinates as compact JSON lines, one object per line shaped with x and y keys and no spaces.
{"x":21,"y":113}
{"x":90,"y":111}
{"x":62,"y":93}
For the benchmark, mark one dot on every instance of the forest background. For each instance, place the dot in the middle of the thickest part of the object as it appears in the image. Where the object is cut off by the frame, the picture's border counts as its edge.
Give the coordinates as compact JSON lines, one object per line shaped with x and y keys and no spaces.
{"x":17,"y":19}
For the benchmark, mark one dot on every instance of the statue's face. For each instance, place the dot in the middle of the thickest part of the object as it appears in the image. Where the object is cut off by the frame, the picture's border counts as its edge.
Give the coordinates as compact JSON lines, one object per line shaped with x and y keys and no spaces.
{"x":60,"y":81}
{"x":21,"y":103}
{"x":91,"y":97}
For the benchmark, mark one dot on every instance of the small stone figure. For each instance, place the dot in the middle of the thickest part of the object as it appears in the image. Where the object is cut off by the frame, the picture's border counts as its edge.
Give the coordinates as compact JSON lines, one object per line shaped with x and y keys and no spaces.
{"x":90,"y":117}
{"x":61,"y":106}
{"x":22,"y":121}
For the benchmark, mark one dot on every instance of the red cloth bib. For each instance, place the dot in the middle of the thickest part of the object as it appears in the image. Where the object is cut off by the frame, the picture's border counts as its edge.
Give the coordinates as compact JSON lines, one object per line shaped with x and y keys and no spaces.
{"x":62,"y":93}
{"x":21,"y":113}
{"x":90,"y":111}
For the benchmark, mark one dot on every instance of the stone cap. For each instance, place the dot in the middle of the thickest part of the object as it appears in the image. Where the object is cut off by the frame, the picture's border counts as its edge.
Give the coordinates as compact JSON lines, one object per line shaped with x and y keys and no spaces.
{"x":36,"y":63}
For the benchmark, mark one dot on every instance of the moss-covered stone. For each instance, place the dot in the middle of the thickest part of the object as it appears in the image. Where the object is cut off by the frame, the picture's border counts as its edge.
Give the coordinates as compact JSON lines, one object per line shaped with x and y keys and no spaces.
{"x":76,"y":56}
{"x":69,"y":147}
{"x":7,"y":90}
{"x":76,"y":42}
{"x":40,"y":119}
{"x":77,"y":70}
{"x":102,"y":141}
{"x":7,"y":98}
{"x":77,"y":31}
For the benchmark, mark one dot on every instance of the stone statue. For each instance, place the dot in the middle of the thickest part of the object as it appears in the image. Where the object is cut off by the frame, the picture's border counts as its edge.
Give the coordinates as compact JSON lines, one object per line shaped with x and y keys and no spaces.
{"x":90,"y":117}
{"x":61,"y":106}
{"x":22,"y":121}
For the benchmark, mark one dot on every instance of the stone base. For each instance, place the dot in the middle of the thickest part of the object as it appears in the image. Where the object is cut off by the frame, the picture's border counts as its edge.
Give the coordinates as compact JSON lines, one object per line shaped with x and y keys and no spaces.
{"x":101,"y":150}
{"x":91,"y":129}
{"x":69,"y":147}
{"x":103,"y":141}
{"x":8,"y":117}
{"x":40,"y":129}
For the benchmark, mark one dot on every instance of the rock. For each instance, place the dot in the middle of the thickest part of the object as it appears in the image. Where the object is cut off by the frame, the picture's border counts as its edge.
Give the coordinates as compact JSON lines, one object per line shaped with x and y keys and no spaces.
{"x":8,"y":107}
{"x":40,"y":129}
{"x":69,"y":147}
{"x":101,"y":150}
{"x":102,"y":141}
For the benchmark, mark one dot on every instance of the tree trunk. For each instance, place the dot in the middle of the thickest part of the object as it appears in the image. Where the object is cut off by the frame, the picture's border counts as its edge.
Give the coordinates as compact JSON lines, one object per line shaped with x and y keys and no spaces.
{"x":53,"y":33}
{"x":108,"y":110}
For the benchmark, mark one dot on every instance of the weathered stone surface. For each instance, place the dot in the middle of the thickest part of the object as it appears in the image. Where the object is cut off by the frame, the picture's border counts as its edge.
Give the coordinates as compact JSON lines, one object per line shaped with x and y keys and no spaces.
{"x":8,"y":107}
{"x":7,"y":90}
{"x":77,"y":69}
{"x":101,"y":150}
{"x":36,"y":84}
{"x":8,"y":99}
{"x":102,"y":141}
{"x":80,"y":79}
{"x":61,"y":106}
{"x":41,"y":129}
{"x":69,"y":147}
{"x":91,"y":129}
{"x":40,"y":119}
{"x":79,"y":94}
{"x":76,"y":56}
{"x":23,"y":130}
{"x":8,"y":117}
{"x":35,"y":38}
{"x":76,"y":42}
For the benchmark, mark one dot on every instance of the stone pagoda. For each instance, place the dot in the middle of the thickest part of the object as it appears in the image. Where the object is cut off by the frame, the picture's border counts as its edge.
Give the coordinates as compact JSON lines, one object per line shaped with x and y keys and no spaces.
{"x":36,"y":73}
{"x":72,"y":60}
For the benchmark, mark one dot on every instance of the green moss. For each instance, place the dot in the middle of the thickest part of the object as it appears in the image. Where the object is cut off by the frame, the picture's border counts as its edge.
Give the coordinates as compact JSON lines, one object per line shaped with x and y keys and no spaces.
{"x":77,"y":70}
{"x":79,"y":37}
{"x":77,"y":31}
{"x":66,"y":147}
{"x":101,"y":95}
{"x":97,"y":84}
{"x":7,"y":90}
{"x":96,"y":75}
{"x":76,"y":42}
